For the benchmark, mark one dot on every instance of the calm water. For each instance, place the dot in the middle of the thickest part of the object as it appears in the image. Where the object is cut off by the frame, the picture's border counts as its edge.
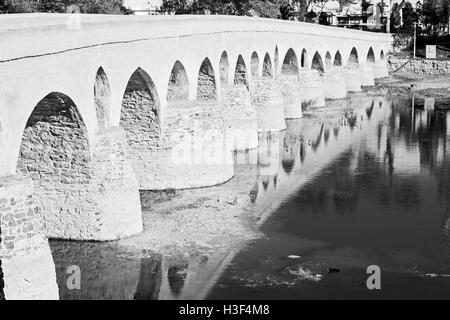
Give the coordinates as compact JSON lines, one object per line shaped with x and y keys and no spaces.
{"x":371,"y":189}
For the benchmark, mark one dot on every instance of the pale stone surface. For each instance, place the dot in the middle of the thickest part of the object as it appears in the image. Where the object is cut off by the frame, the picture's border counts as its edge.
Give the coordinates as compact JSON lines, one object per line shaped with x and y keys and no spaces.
{"x":193,"y":151}
{"x":292,"y":97}
{"x":31,"y":276}
{"x":240,"y":117}
{"x":366,"y":75}
{"x":380,"y":69}
{"x":84,"y":196}
{"x":334,"y":84}
{"x":352,"y":79}
{"x":311,"y":88}
{"x":418,"y":66}
{"x":267,"y":98}
{"x":27,"y":264}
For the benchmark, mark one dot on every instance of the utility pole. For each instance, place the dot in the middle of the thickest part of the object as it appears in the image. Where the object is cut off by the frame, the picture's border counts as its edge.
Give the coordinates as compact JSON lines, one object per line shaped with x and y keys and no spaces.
{"x":388,"y":17}
{"x":415,"y":35}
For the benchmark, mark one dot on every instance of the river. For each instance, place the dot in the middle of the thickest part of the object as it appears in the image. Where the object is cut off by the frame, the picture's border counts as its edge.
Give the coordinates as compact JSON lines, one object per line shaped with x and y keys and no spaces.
{"x":331,"y":200}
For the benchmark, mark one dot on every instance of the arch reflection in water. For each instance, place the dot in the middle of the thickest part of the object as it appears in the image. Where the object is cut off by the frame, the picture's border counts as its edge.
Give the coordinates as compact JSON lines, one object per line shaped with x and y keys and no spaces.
{"x":106,"y":271}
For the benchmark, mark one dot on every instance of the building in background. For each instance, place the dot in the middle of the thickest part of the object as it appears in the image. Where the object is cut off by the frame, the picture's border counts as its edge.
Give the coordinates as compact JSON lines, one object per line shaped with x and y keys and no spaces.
{"x":358,"y":14}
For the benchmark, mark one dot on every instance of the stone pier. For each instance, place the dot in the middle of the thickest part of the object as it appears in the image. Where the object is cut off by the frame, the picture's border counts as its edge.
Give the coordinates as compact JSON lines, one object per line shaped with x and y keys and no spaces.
{"x":334,"y":84}
{"x":311,"y":88}
{"x":240,"y":117}
{"x":26,"y":260}
{"x":193,"y":151}
{"x":292,"y":98}
{"x":352,"y":78}
{"x":380,"y":69}
{"x":85,"y":195}
{"x":267,"y":98}
{"x":366,"y":75}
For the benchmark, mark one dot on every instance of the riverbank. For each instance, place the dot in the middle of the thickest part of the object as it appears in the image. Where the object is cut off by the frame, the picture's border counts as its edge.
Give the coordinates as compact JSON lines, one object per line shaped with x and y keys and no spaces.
{"x":423,"y":86}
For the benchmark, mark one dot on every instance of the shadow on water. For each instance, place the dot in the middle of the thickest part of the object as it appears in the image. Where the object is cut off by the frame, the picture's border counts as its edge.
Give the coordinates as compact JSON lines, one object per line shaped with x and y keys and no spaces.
{"x":331,"y":197}
{"x":385,"y":201}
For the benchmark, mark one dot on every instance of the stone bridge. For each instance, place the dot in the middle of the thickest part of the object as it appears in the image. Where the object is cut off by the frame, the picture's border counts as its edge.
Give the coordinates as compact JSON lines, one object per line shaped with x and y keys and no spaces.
{"x":96,"y":108}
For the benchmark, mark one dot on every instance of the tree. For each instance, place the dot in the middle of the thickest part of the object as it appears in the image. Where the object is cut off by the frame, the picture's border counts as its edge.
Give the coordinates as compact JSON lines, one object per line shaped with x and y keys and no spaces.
{"x":263,"y":8}
{"x":86,"y":6}
{"x":435,"y":14}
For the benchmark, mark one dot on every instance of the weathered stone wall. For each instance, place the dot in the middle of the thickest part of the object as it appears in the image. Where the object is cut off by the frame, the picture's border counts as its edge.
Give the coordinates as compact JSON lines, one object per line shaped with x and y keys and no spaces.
{"x":178,"y":87}
{"x":268,"y":100}
{"x":290,"y":63}
{"x":311,"y":88}
{"x":292,"y":98}
{"x":206,"y":89}
{"x":193,"y":151}
{"x":140,"y":115}
{"x":334,"y":83}
{"x":240,"y":73}
{"x":55,"y":153}
{"x":240,"y":117}
{"x":27,"y":270}
{"x":140,"y":120}
{"x":352,"y":78}
{"x":22,"y":227}
{"x":317,"y":64}
{"x":83,"y":196}
{"x":267,"y":70}
{"x":419,"y":66}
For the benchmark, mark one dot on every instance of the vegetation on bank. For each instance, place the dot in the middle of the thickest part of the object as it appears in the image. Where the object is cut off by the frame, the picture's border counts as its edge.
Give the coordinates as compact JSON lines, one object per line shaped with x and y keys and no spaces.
{"x":62,"y":6}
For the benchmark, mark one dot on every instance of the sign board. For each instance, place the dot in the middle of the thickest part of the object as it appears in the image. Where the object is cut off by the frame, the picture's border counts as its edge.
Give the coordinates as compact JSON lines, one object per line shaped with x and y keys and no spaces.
{"x":430,"y":52}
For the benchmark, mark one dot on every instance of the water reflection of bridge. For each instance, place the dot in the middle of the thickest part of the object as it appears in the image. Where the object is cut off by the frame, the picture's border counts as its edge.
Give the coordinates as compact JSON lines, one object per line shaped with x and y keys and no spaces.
{"x":286,"y":161}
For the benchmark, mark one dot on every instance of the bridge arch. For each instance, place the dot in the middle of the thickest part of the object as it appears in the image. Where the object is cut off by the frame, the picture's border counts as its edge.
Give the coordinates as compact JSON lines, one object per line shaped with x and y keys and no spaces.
{"x":140,"y":112}
{"x":267,"y":70}
{"x":178,"y":85}
{"x":276,"y":61}
{"x":370,"y":56}
{"x":290,"y":63}
{"x":102,"y":98}
{"x":353,"y":59}
{"x":337,"y":59}
{"x":224,"y":68}
{"x":317,"y":63}
{"x":328,"y":60}
{"x":254,"y":64}
{"x":240,"y":73}
{"x":206,"y":88}
{"x":382,"y":57}
{"x":55,"y":153}
{"x":304,"y":59}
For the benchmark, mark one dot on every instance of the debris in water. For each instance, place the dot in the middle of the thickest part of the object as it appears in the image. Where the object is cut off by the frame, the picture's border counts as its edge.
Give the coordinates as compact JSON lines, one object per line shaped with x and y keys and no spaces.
{"x":293,"y":256}
{"x":306,"y":274}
